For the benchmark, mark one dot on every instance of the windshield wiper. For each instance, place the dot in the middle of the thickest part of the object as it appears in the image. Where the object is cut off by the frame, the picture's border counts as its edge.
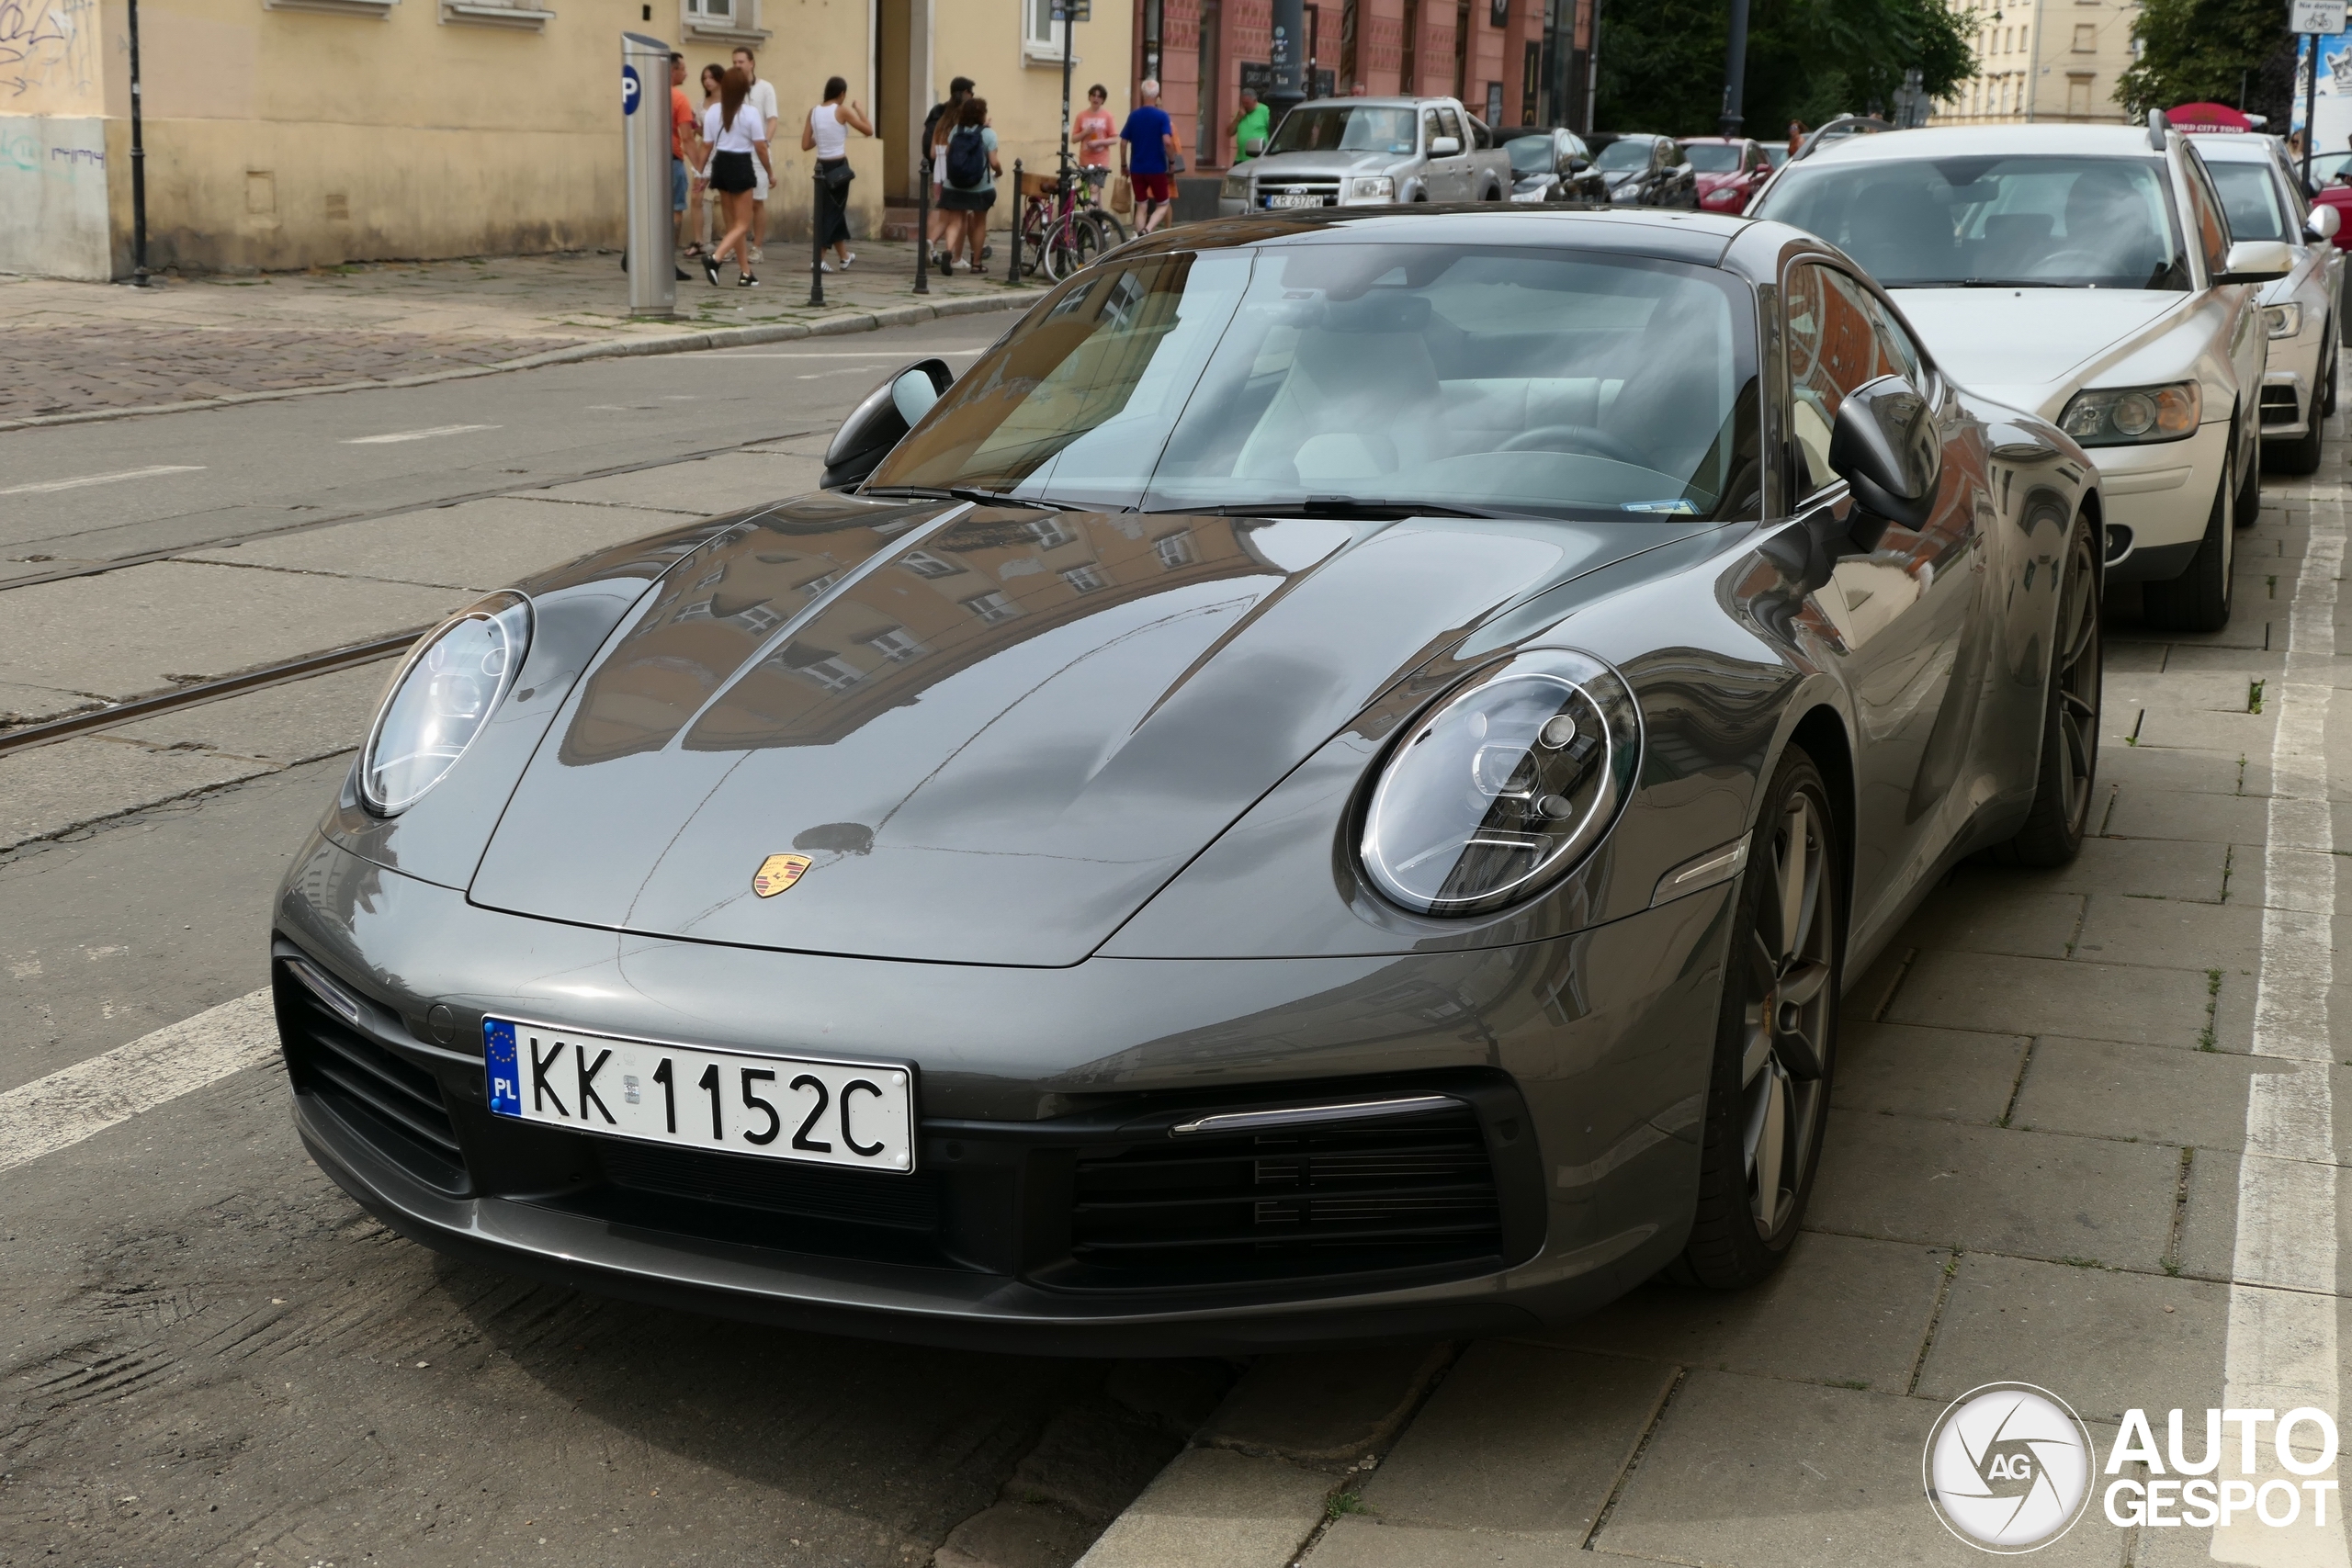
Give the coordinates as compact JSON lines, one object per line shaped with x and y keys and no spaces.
{"x":1338,"y":507}
{"x":989,"y":497}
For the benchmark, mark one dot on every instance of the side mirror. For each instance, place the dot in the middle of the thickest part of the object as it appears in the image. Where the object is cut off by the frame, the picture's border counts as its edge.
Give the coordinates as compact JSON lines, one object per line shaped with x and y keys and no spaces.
{"x":1444,"y":146}
{"x":1886,"y":447}
{"x":881,"y":421}
{"x":2257,"y":260}
{"x":1579,"y":164}
{"x":2324,"y":222}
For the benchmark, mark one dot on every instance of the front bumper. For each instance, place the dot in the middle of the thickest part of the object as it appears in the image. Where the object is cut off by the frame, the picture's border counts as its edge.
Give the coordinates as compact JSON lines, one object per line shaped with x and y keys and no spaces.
{"x":2295,"y":366}
{"x":1577,"y":1066}
{"x":2163,"y":494}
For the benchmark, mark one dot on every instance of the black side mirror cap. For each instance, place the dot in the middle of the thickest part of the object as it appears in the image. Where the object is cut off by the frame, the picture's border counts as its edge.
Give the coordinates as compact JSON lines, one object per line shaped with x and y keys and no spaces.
{"x":881,"y":421}
{"x":1885,"y":446}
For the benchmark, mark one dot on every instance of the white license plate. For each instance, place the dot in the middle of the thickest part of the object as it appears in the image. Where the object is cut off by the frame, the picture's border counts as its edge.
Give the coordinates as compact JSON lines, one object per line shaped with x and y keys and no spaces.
{"x":851,"y":1113}
{"x":1294,"y":198}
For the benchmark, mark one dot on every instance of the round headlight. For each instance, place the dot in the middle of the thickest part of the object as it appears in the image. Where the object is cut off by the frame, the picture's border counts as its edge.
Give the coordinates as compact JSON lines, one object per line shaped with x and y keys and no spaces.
{"x":450,"y":684}
{"x":2135,"y":413}
{"x":1505,"y":786}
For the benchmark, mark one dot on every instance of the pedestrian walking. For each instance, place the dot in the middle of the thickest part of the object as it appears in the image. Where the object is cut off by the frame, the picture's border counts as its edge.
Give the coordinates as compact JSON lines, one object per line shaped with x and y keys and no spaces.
{"x":1147,"y":155}
{"x":763,"y":99}
{"x":1098,"y":138}
{"x":826,"y":133}
{"x":1251,"y":127}
{"x":971,"y":166}
{"x":935,"y":126}
{"x":738,"y":141}
{"x":684,"y":154}
{"x":703,"y":197}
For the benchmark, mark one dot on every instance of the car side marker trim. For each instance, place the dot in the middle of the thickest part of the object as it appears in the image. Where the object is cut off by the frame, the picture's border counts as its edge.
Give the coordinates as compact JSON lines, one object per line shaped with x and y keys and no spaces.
{"x":1718,"y":864}
{"x":1309,"y":1115}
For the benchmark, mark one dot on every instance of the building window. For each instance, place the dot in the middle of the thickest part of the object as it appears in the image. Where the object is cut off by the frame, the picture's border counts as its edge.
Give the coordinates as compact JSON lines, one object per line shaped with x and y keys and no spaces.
{"x":759,"y":619}
{"x":2086,"y":38}
{"x":2078,"y":97}
{"x":1348,"y":72}
{"x":897,"y":644}
{"x":833,"y":672}
{"x":1086,"y":578}
{"x":1175,"y":550}
{"x":923,"y":563}
{"x":1410,"y":73}
{"x":991,"y":608}
{"x":1041,"y":36}
{"x":1049,"y":532}
{"x":1211,"y":91}
{"x":816,"y":585}
{"x":738,"y":20}
{"x":1462,"y":54}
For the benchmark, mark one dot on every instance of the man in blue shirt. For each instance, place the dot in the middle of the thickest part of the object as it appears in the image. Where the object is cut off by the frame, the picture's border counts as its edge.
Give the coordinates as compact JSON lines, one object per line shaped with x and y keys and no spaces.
{"x":1147,"y":156}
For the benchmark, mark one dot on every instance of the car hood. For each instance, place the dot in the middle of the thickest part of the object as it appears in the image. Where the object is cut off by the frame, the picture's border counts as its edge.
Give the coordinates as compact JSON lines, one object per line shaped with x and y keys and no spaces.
{"x":2022,"y":346}
{"x":1286,"y":165}
{"x":992,"y":734}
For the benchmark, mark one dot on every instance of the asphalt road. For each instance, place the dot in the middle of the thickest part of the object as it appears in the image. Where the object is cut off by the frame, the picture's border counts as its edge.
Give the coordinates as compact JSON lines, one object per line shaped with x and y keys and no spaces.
{"x":210,"y":1355}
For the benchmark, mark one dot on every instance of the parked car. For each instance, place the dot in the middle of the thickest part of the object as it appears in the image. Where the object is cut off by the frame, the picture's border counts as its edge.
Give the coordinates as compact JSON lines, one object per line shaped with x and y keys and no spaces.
{"x":2085,"y":274}
{"x":1841,"y":128}
{"x":2262,"y":198}
{"x":1553,"y":165}
{"x":1728,"y":171}
{"x":1329,"y":788}
{"x":2331,"y":186}
{"x":1642,"y":170}
{"x":1775,"y":153}
{"x":1370,"y":153}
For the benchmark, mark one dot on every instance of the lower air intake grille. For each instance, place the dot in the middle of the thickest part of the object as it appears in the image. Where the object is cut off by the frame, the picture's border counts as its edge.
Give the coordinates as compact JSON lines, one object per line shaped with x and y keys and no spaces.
{"x":848,"y":1197}
{"x":392,"y":1099}
{"x":1327,"y":1200}
{"x":2279,"y":405}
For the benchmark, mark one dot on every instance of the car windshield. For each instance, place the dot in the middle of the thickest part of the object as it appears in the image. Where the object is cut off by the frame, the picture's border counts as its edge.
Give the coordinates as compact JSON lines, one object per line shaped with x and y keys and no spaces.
{"x":1628,"y":154}
{"x":1533,"y":155}
{"x":1776,"y":152}
{"x":2328,"y":166}
{"x":1326,"y":373}
{"x":1342,"y":128}
{"x":1710,"y":157}
{"x":2251,"y":197}
{"x":2047,"y":223}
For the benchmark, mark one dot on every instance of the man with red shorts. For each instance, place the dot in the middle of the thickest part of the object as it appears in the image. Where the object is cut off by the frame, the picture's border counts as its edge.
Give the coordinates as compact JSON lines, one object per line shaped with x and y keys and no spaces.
{"x":1147,"y":155}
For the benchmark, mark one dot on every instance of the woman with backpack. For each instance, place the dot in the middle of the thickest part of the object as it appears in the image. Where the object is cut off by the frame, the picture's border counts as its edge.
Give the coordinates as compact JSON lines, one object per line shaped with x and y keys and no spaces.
{"x":826,"y":133}
{"x":738,"y":138}
{"x":968,"y":184}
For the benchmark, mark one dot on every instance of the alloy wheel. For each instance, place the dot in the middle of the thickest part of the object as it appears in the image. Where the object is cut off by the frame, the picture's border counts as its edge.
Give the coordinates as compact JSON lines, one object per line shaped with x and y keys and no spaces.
{"x":2076,"y":674}
{"x":1782,"y":1065}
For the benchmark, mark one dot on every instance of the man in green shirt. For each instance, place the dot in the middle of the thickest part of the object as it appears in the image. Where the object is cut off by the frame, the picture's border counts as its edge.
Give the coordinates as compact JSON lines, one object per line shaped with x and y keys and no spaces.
{"x":1250,"y":126}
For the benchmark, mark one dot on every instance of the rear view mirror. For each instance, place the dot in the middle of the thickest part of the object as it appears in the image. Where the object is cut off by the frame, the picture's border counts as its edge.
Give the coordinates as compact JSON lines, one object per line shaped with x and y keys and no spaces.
{"x":2257,"y":260}
{"x":1444,"y":146}
{"x":2324,"y":222}
{"x":1579,"y":164}
{"x":1885,"y":446}
{"x":881,"y":421}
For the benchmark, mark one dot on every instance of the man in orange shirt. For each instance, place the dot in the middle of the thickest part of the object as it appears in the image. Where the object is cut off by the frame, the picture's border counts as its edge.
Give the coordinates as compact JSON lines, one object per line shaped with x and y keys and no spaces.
{"x":685,"y":142}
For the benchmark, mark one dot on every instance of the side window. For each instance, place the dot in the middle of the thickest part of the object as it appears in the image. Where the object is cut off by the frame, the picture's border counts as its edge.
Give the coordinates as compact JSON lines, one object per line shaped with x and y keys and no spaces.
{"x":1430,"y":131}
{"x":2205,"y":216}
{"x":1834,"y":344}
{"x":1896,"y":344}
{"x":1452,"y":124}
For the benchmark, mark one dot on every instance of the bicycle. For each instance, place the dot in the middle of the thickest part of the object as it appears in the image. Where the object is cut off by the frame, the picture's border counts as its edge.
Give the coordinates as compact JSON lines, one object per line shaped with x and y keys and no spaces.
{"x":1062,"y":226}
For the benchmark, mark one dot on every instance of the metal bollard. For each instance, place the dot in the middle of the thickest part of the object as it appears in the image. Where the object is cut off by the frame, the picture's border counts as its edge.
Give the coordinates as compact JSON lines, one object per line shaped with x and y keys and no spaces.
{"x":922,"y":227}
{"x":1012,"y":271}
{"x":817,"y":242}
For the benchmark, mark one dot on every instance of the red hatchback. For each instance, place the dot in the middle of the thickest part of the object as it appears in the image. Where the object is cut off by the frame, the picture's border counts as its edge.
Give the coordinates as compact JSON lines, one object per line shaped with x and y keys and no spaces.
{"x":1730,"y":171}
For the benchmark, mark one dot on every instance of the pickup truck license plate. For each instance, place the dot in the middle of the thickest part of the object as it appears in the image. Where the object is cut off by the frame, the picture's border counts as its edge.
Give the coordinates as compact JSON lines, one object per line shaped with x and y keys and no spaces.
{"x":840,"y":1114}
{"x":1294,"y":198}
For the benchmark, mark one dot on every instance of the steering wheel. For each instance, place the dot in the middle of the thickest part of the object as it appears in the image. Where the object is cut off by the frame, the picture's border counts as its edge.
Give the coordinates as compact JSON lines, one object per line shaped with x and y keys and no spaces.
{"x":1585,"y":438}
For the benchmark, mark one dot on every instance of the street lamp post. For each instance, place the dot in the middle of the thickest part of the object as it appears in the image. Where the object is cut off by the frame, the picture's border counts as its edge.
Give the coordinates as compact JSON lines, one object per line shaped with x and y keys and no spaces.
{"x":139,"y":166}
{"x":1735,"y":68}
{"x":1286,"y":91}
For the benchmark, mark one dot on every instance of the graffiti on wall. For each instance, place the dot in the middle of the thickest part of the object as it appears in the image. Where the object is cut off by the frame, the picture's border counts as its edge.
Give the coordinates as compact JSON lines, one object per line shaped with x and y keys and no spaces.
{"x":48,"y":44}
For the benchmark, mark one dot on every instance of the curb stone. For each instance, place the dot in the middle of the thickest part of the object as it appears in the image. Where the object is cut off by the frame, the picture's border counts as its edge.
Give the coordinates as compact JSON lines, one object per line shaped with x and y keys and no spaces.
{"x":675,"y":343}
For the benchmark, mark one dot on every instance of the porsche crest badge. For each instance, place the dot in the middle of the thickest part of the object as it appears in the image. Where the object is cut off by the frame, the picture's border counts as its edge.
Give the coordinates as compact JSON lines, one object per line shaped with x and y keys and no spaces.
{"x":777,"y":873}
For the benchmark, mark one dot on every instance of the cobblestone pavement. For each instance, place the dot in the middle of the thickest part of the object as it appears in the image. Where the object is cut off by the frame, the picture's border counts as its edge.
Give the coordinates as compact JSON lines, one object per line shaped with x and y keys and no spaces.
{"x":74,"y":347}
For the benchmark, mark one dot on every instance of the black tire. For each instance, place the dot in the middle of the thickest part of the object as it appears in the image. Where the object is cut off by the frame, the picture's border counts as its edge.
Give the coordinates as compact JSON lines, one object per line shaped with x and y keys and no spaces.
{"x":2296,"y":455}
{"x":2246,"y":509}
{"x":2066,"y":780}
{"x":2198,"y":599}
{"x":1775,"y":1048}
{"x":2327,"y":382}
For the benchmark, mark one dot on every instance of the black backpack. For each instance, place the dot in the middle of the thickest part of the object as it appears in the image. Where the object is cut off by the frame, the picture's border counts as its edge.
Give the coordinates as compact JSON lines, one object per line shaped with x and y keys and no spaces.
{"x":967,"y":159}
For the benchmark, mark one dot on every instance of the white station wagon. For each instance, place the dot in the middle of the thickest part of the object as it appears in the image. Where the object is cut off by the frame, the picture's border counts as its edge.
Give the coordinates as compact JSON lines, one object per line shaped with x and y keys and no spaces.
{"x":2085,"y":274}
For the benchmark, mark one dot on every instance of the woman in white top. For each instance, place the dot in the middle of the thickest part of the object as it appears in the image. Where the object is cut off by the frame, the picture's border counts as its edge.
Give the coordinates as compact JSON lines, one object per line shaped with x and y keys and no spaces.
{"x":738,"y":135}
{"x":711,"y":76}
{"x":827,"y":135}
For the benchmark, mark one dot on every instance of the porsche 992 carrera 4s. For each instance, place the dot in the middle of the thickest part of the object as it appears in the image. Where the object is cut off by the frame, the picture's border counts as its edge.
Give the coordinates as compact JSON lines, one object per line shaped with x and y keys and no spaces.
{"x":1326,"y":788}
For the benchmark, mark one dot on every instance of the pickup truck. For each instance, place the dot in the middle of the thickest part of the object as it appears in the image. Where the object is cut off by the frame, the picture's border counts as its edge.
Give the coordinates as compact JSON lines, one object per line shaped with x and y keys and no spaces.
{"x":1370,"y":153}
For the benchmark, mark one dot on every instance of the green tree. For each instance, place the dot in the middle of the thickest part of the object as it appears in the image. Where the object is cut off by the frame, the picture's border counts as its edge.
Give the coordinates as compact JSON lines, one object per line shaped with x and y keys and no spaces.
{"x":2223,"y":51}
{"x":1662,"y":60}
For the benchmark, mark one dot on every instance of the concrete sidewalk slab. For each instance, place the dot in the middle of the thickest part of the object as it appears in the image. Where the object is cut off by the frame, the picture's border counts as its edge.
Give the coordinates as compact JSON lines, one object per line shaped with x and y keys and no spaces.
{"x":2171,"y":934}
{"x":1358,"y":1542}
{"x":475,"y":545}
{"x":55,"y":789}
{"x":1996,"y":994}
{"x":1216,"y":1508}
{"x":1328,"y":1407}
{"x":2146,"y":1094}
{"x":1902,"y":1069}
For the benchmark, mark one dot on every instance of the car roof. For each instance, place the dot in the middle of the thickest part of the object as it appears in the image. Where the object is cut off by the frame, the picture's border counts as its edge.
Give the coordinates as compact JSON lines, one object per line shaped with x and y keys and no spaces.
{"x":2235,"y":148}
{"x":1696,"y":237}
{"x":1959,"y":140}
{"x":1391,"y":102}
{"x":1724,"y":140}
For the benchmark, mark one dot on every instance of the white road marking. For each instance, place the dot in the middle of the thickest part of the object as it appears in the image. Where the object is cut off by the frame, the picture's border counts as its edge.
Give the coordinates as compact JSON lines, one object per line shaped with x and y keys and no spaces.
{"x":46,"y":486}
{"x":2281,"y":1352}
{"x":416,"y":435}
{"x":76,"y":1102}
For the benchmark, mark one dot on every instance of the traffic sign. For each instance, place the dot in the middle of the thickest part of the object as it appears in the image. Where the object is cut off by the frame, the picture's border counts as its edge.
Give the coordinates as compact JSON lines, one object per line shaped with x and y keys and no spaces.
{"x":1075,"y":10}
{"x":631,"y":89}
{"x":2322,"y":17}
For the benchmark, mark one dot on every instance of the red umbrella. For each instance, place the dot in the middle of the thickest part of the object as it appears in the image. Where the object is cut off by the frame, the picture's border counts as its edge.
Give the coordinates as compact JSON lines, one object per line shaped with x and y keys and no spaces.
{"x":2207,"y":116}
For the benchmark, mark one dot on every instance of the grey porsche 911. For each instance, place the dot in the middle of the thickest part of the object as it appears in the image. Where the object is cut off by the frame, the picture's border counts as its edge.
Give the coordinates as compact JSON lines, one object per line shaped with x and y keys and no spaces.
{"x":1326,"y":788}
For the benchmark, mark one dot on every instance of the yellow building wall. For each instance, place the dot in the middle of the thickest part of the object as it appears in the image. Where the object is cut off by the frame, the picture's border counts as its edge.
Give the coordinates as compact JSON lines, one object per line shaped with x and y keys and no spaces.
{"x":983,"y":39}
